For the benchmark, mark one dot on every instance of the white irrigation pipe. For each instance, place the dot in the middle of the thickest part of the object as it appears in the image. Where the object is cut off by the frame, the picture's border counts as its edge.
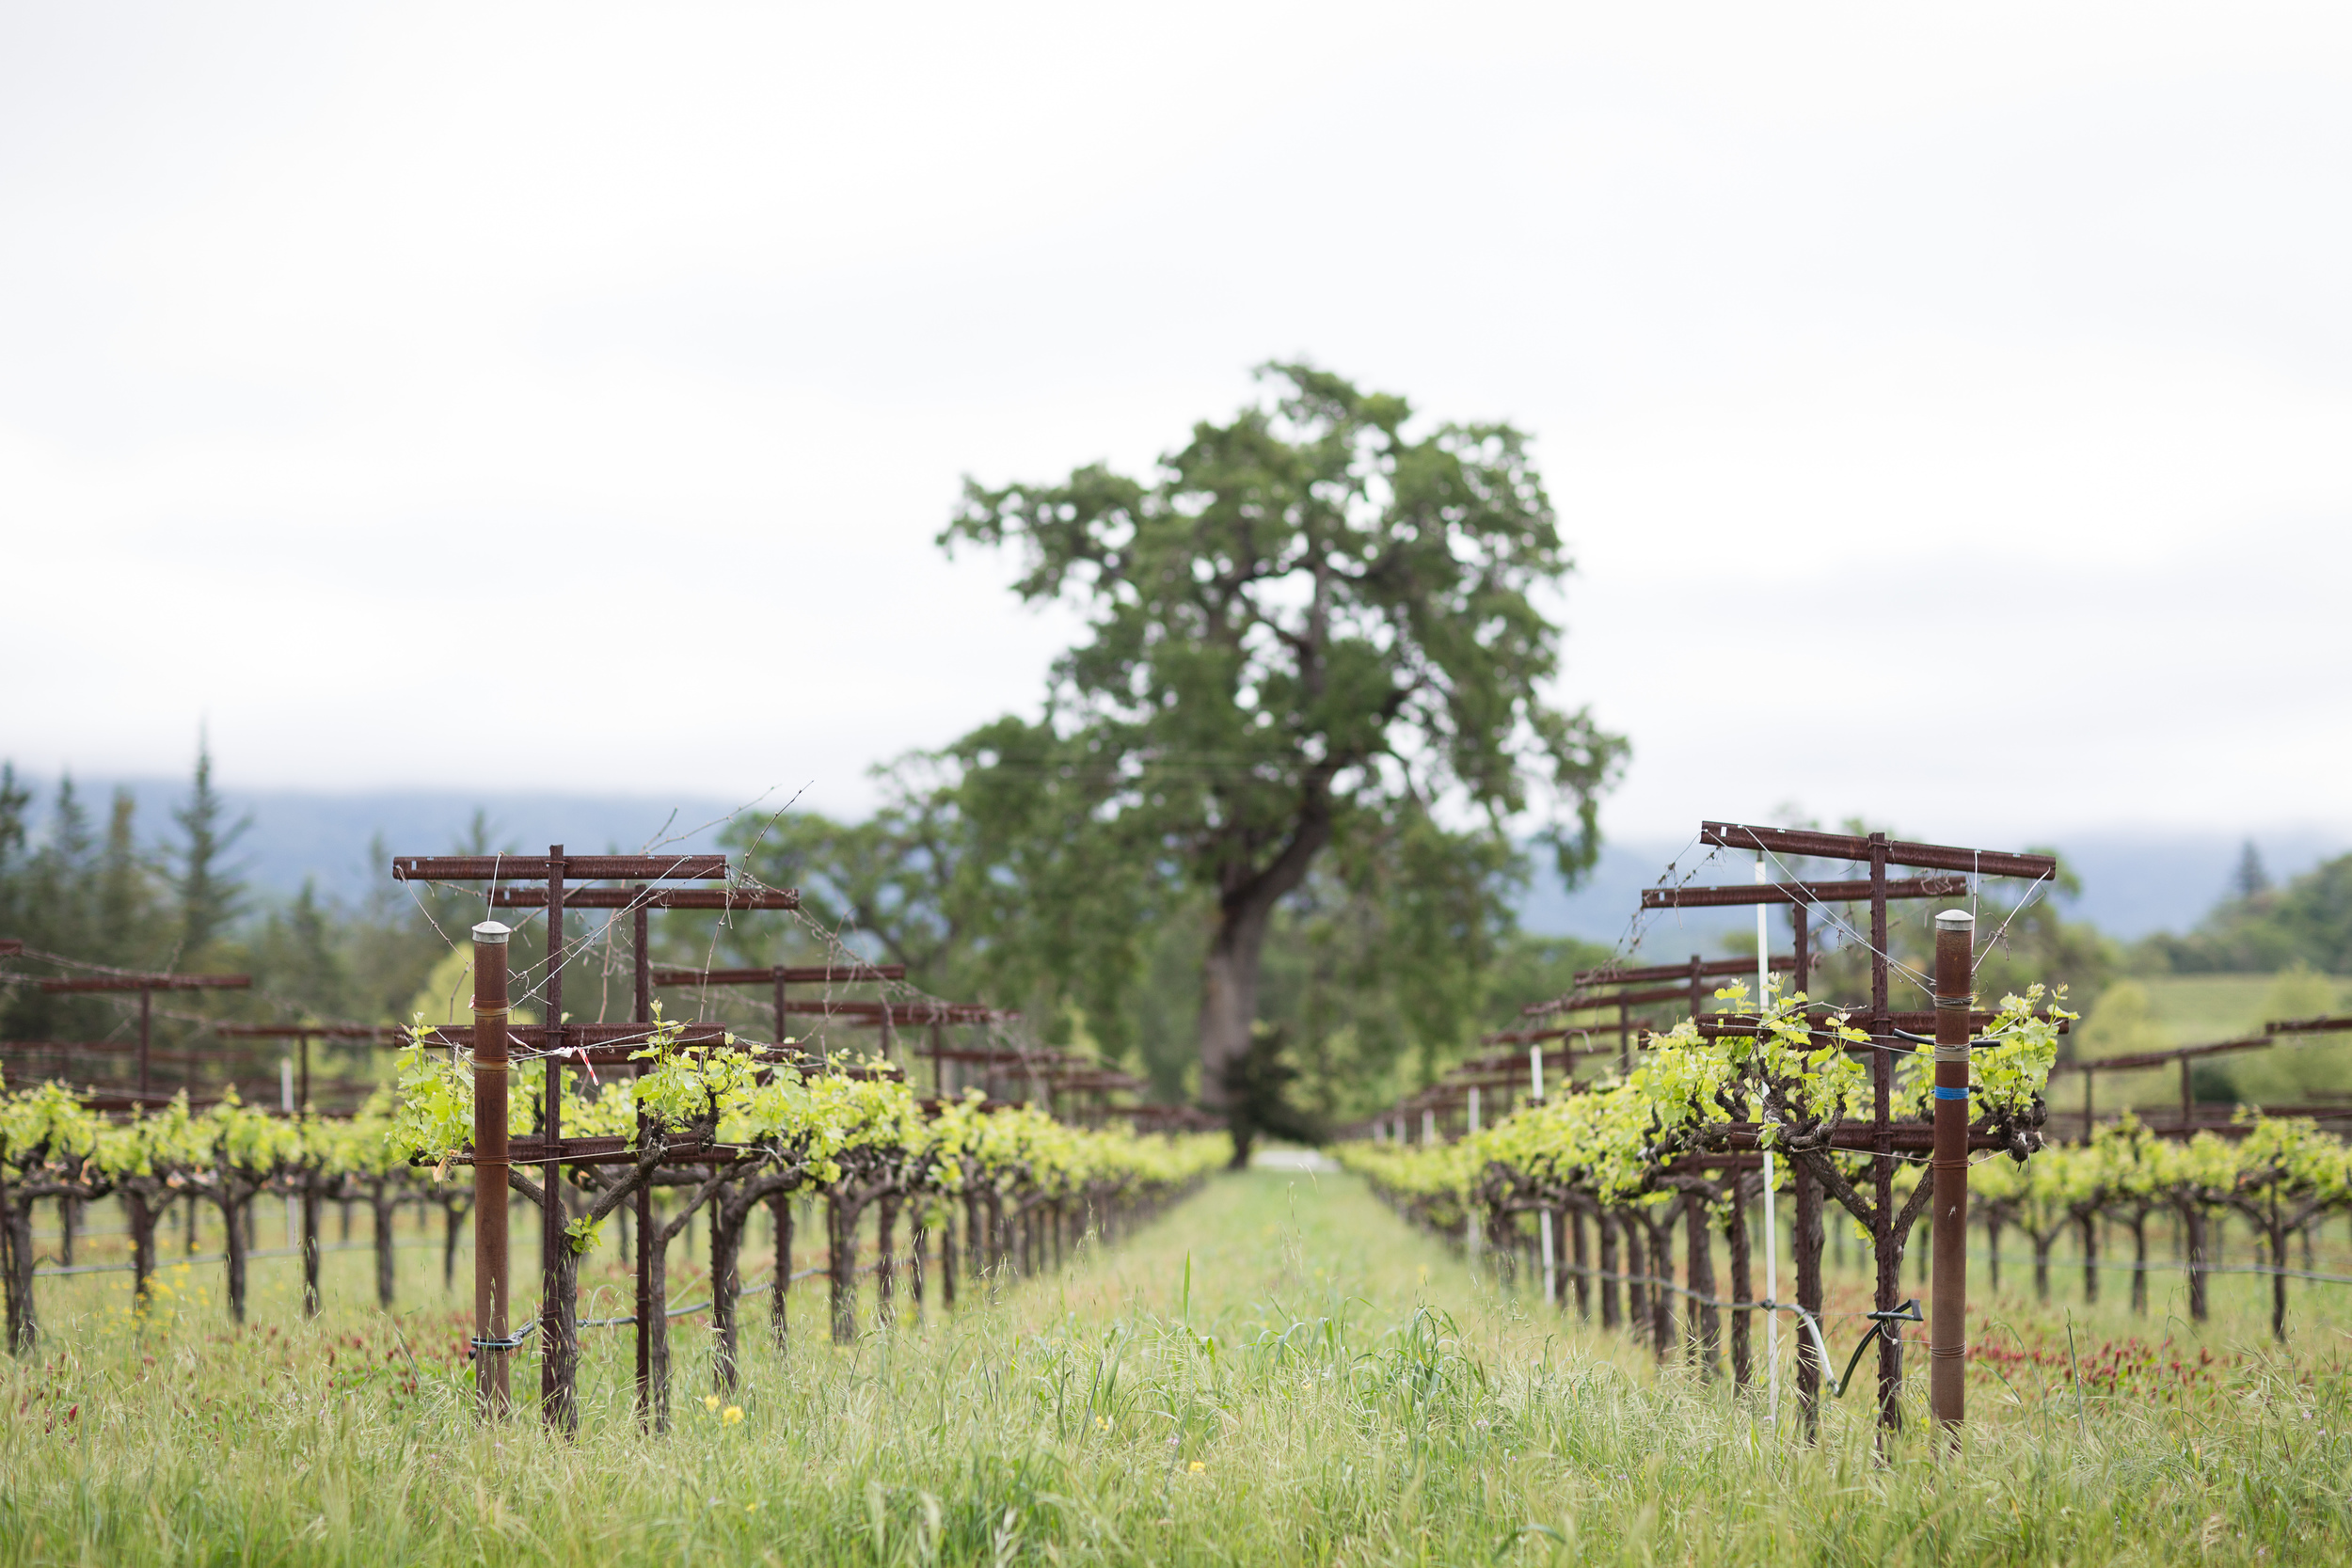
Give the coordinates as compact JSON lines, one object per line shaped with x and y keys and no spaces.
{"x":1543,"y":1216}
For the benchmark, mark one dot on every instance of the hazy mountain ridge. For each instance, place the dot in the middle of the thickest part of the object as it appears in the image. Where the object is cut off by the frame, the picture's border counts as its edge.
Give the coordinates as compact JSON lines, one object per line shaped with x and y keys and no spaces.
{"x":2133,"y":883}
{"x":299,"y":834}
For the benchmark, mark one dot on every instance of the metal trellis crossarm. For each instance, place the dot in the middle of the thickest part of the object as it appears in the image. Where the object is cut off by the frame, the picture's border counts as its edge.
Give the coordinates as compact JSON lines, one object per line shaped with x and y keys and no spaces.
{"x":146,"y":986}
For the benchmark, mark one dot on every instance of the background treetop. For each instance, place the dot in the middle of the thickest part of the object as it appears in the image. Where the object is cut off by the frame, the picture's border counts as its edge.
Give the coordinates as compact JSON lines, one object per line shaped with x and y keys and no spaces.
{"x":1311,"y":628}
{"x":1308,"y":606}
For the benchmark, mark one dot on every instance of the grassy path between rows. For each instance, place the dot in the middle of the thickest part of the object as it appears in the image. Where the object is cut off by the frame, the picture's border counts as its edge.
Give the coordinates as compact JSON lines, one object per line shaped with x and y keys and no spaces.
{"x":1277,"y":1372}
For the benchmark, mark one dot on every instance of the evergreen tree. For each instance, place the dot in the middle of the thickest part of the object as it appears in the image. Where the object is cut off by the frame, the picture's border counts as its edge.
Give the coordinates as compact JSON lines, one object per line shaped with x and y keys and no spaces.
{"x":127,"y":934}
{"x":15,"y":800}
{"x":2251,"y":876}
{"x":210,"y":896}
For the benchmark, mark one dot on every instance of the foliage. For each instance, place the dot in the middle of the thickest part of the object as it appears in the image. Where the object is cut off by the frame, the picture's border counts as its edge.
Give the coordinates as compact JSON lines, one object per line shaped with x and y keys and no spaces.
{"x":106,"y":900}
{"x":2307,"y":921}
{"x":828,"y":1125}
{"x":1308,"y":630}
{"x":1610,"y":1144}
{"x":210,"y":896}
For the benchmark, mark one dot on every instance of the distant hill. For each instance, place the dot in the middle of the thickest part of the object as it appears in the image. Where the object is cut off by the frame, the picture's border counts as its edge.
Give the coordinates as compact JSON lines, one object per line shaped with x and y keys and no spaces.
{"x":2133,"y":884}
{"x":2307,"y":922}
{"x":299,"y":833}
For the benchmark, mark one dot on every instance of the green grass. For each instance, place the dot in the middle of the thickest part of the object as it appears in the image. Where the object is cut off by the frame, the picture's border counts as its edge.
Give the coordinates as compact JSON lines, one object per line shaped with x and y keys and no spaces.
{"x":2194,"y":1009}
{"x":1279,"y":1372}
{"x":2198,"y":1009}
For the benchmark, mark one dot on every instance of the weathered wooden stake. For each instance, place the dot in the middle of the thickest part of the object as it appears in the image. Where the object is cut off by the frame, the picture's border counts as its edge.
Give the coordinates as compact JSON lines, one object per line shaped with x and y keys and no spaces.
{"x":490,"y":1276}
{"x":1948,"y":1312}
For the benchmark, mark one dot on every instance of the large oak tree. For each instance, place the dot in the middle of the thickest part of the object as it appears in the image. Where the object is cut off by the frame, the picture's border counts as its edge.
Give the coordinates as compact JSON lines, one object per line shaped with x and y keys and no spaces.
{"x":1314,"y":626}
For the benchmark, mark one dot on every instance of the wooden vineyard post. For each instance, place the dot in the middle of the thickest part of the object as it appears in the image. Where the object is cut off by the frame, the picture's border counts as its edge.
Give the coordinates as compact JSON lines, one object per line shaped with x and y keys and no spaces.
{"x":1947,"y":1321}
{"x":641,"y":952}
{"x":559,"y":1307}
{"x":1543,"y":1216}
{"x":1886,"y":1265}
{"x":490,"y":1276}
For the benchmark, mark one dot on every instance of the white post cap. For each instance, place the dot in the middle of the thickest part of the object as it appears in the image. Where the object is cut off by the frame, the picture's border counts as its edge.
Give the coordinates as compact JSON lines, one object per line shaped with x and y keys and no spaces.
{"x":1955,"y":920}
{"x":493,"y":932}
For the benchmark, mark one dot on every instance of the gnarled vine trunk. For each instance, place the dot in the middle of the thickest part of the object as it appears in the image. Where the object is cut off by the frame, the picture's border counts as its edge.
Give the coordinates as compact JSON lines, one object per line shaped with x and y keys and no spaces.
{"x":1743,"y":1285}
{"x":841,"y":1267}
{"x":779,"y":1325}
{"x":728,"y":1224}
{"x":16,"y":1269}
{"x":1661,"y":1268}
{"x":233,"y":1197}
{"x":2140,"y":1261}
{"x":142,"y":1210}
{"x":1607,"y":1226}
{"x":2193,"y":1231}
{"x":1706,"y":1328}
{"x":1808,"y":1236}
{"x":885,"y":1265}
{"x":1579,"y":1260}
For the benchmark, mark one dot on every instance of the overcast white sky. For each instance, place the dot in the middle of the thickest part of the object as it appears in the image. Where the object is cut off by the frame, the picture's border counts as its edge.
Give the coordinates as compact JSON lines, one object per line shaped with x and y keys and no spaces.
{"x":567,"y":396}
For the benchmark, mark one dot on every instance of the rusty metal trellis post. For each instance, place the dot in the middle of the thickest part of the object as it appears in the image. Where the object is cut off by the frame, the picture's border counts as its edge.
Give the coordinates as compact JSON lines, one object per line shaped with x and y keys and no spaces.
{"x":642,"y":1300}
{"x":490,"y":1273}
{"x":1889,"y":1267}
{"x":147,"y":985}
{"x":559,"y":1345}
{"x":1947,"y":1308}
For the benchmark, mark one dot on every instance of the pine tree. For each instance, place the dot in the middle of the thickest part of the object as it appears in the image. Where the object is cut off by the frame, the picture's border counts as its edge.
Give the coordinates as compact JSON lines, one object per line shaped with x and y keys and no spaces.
{"x":310,"y":936}
{"x":211,"y":895}
{"x":61,"y":877}
{"x":127,"y":912}
{"x":15,"y":800}
{"x":2251,"y":877}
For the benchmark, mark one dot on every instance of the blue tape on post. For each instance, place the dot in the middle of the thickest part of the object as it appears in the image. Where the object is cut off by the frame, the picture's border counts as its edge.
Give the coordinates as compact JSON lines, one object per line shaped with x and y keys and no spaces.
{"x":1947,"y":1092}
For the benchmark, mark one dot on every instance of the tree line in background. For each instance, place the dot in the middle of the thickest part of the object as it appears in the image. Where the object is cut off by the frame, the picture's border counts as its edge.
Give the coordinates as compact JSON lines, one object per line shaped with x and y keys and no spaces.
{"x":2260,"y":927}
{"x":1266,"y":828}
{"x":117,"y":896}
{"x":1376,"y":975}
{"x":1262,"y":845}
